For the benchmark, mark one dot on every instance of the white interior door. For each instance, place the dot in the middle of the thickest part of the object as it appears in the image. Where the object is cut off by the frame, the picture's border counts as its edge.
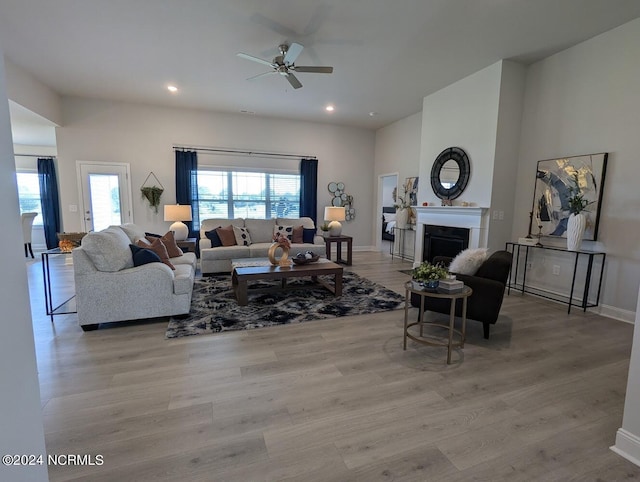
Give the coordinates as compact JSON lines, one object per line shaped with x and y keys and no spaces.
{"x":106,"y":194}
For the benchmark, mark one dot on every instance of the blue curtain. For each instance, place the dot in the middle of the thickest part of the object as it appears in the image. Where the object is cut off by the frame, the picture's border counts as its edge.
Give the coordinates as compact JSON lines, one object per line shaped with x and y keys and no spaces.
{"x":49,"y":201}
{"x":187,"y":186}
{"x":309,"y":188}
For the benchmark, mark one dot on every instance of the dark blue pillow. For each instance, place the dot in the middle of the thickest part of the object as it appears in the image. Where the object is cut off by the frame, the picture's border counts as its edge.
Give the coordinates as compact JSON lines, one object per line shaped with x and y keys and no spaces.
{"x":215,"y":239}
{"x":153,"y":235}
{"x":143,"y":255}
{"x":308,"y":235}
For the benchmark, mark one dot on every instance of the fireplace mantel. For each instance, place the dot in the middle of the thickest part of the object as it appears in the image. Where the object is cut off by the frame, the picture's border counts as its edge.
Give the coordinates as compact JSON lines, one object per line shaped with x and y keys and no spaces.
{"x":476,"y":219}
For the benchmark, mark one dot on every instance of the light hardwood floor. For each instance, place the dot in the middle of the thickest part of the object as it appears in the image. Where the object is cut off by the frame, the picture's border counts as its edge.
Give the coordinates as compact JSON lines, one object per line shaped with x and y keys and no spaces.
{"x":337,"y":400}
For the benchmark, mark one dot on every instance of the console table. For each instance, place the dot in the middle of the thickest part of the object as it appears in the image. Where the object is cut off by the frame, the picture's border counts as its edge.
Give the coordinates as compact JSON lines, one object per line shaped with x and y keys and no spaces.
{"x":400,"y":239}
{"x":590,"y":256}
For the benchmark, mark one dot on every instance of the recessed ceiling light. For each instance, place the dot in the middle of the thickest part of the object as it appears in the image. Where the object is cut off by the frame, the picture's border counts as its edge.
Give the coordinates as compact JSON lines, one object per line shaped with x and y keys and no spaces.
{"x":373,"y":114}
{"x":172,"y":88}
{"x":329,"y":108}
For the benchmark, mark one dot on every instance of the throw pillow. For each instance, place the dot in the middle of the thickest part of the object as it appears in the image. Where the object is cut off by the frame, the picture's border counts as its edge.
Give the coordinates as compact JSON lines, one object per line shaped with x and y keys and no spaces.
{"x":226,"y":236}
{"x":153,"y":235}
{"x":297,"y":236}
{"x":169,"y":241}
{"x":468,"y":261}
{"x":158,"y":247}
{"x":242,"y":236}
{"x":283,"y":231}
{"x":215,"y":239}
{"x":143,"y":256}
{"x":308,"y":235}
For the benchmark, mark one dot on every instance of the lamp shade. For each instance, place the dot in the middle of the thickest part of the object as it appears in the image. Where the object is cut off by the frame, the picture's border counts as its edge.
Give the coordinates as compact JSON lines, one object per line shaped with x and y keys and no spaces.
{"x":177,"y":212}
{"x":334,"y":213}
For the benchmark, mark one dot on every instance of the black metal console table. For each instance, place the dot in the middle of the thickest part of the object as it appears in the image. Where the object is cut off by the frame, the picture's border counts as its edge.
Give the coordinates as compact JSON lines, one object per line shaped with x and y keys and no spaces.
{"x":64,"y":308}
{"x":512,"y":282}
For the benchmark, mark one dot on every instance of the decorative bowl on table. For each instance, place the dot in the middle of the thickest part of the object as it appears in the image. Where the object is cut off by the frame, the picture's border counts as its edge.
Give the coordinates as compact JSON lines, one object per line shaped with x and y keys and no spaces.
{"x":305,"y":258}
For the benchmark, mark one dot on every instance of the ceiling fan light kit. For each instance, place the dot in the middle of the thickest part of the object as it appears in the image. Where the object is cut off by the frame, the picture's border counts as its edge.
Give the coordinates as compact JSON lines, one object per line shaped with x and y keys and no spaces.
{"x":284,"y":64}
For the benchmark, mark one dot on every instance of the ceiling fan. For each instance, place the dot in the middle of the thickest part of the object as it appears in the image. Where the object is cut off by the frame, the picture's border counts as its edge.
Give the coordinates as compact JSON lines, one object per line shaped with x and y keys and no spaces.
{"x":284,"y":64}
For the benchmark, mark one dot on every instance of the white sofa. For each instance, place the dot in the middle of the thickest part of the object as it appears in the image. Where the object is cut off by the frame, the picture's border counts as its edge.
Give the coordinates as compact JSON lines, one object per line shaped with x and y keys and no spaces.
{"x":109,"y":288}
{"x":218,"y":259}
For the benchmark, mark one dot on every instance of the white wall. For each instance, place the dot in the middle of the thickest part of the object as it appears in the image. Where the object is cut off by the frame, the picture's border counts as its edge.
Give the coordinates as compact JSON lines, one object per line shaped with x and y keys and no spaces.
{"x":505,"y":167}
{"x":628,"y":436}
{"x":465,"y":115}
{"x":397,"y":150}
{"x":20,"y":414}
{"x":143,"y":136}
{"x":583,"y":100}
{"x":32,"y":94}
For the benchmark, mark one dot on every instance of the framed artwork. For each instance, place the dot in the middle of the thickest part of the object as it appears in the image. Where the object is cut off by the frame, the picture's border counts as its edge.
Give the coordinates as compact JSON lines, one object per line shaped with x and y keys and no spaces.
{"x":554,"y":177}
{"x":411,"y":188}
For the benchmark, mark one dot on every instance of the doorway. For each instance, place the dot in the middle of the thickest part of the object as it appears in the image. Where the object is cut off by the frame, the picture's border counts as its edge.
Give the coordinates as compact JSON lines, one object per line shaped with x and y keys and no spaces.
{"x":105,"y":194}
{"x":387,"y":183}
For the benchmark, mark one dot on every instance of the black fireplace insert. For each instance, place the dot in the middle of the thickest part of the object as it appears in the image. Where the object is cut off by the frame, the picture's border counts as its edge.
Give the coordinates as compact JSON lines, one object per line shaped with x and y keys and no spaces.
{"x":443,"y":241}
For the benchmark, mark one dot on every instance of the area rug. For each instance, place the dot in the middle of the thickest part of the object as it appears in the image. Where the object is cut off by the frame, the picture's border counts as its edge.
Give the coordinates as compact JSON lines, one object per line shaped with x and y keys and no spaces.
{"x":214,"y":308}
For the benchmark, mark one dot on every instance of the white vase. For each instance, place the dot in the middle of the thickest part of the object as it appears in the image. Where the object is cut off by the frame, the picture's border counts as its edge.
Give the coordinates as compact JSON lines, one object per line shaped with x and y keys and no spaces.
{"x":575,"y":231}
{"x":402,"y":218}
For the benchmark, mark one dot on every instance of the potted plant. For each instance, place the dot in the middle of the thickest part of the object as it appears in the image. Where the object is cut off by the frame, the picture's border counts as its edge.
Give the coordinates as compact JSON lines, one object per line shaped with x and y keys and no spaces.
{"x":152,"y":194}
{"x":427,"y":275}
{"x":577,"y":221}
{"x":325,"y":229}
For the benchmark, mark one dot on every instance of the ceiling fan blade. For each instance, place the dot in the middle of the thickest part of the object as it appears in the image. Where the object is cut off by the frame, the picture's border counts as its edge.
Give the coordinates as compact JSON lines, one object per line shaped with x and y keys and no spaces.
{"x":293,"y":80}
{"x":292,"y":53}
{"x":262,"y":75}
{"x":254,"y":59}
{"x":315,"y":70}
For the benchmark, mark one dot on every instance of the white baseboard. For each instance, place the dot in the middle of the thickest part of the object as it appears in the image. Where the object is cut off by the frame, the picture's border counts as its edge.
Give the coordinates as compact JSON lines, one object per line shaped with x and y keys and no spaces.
{"x":627,"y":446}
{"x":603,"y":310}
{"x":616,"y":313}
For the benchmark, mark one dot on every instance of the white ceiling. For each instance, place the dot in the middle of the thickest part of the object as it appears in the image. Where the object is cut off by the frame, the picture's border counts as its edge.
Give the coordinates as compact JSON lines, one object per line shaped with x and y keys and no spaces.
{"x":386,"y":55}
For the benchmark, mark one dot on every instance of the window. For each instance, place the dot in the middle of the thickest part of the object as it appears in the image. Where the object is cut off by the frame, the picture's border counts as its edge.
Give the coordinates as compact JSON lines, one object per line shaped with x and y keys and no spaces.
{"x":240,"y":194}
{"x":29,"y":194}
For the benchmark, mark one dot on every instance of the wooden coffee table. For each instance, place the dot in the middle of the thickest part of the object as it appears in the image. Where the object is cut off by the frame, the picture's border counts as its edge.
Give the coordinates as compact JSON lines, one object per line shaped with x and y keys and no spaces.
{"x":241,"y":274}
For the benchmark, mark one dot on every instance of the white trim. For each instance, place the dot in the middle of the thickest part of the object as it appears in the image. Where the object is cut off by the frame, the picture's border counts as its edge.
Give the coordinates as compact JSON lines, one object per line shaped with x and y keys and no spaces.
{"x":476,"y":219}
{"x":616,"y":313}
{"x":627,"y":446}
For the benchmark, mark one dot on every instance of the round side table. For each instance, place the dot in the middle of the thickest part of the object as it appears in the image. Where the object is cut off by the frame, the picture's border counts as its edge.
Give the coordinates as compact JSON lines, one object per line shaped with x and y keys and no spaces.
{"x":463,"y":294}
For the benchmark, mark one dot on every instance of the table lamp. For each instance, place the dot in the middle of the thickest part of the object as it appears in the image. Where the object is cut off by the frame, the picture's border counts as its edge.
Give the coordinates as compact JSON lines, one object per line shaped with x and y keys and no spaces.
{"x":178,"y":213}
{"x":335,"y":215}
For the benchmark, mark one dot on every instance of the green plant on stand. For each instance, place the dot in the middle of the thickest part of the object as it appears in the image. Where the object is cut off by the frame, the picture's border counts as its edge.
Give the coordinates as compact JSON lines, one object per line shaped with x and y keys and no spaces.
{"x":325,"y":229}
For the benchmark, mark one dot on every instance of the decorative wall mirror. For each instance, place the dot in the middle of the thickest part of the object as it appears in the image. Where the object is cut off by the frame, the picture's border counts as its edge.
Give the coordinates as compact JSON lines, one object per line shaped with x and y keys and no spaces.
{"x":450,"y":173}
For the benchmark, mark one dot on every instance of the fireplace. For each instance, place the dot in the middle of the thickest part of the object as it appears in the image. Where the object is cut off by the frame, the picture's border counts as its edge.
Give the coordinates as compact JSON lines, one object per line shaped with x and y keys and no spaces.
{"x":443,"y":241}
{"x":474,"y":219}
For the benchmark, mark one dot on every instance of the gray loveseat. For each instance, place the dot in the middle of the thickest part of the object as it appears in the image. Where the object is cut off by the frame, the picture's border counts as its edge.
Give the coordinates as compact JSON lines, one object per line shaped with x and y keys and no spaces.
{"x":109,"y":288}
{"x":218,"y":259}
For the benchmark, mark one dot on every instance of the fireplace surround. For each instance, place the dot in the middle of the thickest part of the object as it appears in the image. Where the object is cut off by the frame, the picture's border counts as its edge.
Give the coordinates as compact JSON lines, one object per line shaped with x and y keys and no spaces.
{"x":475,"y":219}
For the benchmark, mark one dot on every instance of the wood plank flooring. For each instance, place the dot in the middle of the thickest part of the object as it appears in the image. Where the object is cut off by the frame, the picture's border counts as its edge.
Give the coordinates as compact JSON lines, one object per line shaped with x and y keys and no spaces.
{"x":336,"y":400}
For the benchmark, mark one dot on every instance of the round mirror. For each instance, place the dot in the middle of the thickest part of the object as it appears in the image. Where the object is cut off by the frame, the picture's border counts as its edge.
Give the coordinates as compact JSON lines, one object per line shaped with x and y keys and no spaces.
{"x":337,"y":201}
{"x":450,"y":173}
{"x":332,"y":187}
{"x":341,"y":186}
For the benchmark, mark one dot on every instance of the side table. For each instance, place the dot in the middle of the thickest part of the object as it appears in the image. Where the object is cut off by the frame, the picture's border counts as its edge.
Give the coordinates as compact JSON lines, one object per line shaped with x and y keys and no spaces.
{"x":463,"y":294}
{"x":188,"y":244}
{"x":65,"y":307}
{"x":348,"y":240}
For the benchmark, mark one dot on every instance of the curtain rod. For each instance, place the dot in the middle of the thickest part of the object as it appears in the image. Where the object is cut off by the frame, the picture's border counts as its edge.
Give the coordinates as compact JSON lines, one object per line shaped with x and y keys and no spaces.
{"x":34,"y":155}
{"x":237,"y":151}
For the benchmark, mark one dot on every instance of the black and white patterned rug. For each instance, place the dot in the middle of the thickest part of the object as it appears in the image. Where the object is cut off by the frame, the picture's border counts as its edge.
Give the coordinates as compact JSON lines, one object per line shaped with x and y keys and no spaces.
{"x":214,"y":307}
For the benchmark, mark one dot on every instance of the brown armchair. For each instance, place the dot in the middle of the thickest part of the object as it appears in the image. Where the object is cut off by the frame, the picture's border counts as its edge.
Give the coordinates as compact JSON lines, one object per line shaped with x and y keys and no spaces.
{"x":488,"y":285}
